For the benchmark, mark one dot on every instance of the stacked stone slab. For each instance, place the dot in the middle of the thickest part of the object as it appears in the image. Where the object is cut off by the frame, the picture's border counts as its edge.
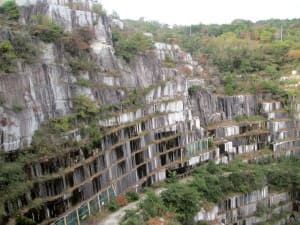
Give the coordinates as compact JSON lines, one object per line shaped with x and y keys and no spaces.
{"x":284,"y":128}
{"x":250,"y":208}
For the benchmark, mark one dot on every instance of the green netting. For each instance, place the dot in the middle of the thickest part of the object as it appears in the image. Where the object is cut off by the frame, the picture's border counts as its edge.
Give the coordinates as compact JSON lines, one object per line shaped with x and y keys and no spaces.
{"x":103,"y":198}
{"x":94,"y":206}
{"x":204,"y":144}
{"x":60,"y":222}
{"x":198,"y":146}
{"x":83,"y":212}
{"x":111,"y":193}
{"x":72,"y":218}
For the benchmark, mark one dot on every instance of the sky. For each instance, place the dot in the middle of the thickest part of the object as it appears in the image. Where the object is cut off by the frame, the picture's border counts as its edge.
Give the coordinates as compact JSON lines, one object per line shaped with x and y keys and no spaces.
{"x":186,"y":12}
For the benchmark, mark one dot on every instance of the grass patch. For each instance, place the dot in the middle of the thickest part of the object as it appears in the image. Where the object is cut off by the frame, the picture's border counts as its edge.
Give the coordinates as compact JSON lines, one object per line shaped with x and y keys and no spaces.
{"x":251,"y":118}
{"x":83,"y":82}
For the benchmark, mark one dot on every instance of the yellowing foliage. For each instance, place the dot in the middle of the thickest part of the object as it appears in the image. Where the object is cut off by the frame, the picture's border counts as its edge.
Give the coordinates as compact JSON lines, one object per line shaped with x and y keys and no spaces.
{"x":155,"y":221}
{"x":295,"y":54}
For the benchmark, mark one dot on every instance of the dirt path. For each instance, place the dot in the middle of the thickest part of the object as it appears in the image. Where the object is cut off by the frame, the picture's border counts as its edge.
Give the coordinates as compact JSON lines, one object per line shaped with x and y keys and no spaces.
{"x":115,"y":218}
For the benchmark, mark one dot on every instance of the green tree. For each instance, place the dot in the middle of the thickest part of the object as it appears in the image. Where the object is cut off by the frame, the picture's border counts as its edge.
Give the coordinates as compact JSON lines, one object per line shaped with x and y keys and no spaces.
{"x":24,"y":48}
{"x":266,"y":36}
{"x":113,"y":205}
{"x":59,"y":124}
{"x":84,"y":107}
{"x":184,"y":200}
{"x":229,"y":86}
{"x":152,"y":206}
{"x":272,"y":71}
{"x":45,"y":29}
{"x":10,"y":172}
{"x":132,"y":196}
{"x":82,"y":63}
{"x":127,"y":45}
{"x":172,"y":177}
{"x":212,"y":167}
{"x":192,"y":90}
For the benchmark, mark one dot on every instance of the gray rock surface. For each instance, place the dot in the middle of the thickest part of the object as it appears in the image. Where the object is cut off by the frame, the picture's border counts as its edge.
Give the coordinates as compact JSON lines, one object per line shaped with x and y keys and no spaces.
{"x":214,"y":108}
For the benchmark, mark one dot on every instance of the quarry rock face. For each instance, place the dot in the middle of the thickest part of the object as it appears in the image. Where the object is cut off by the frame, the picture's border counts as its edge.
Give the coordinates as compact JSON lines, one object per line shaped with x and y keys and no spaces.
{"x":214,"y":108}
{"x":172,"y":130}
{"x":46,"y":89}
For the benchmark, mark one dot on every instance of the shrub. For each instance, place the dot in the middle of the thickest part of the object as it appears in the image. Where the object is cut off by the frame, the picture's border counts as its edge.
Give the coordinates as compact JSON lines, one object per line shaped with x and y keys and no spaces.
{"x":272,"y":87}
{"x":7,"y":56}
{"x":113,"y":205}
{"x":172,"y":177}
{"x":92,"y":131}
{"x":84,"y":107}
{"x":202,"y":222}
{"x":23,"y":220}
{"x":45,"y":29}
{"x":10,"y":173}
{"x":241,"y":118}
{"x":229,"y":88}
{"x":272,"y":72}
{"x":152,"y":206}
{"x":24,"y":48}
{"x":98,"y":9}
{"x":128,"y":45}
{"x":245,"y":181}
{"x":174,"y":223}
{"x":83,"y":82}
{"x":17,"y":107}
{"x":294,"y":54}
{"x":121,"y":200}
{"x":11,"y":10}
{"x":76,"y":6}
{"x":131,"y":218}
{"x":168,"y":62}
{"x":192,"y":90}
{"x":132,"y":196}
{"x":74,"y":44}
{"x":78,"y":41}
{"x":261,"y":209}
{"x":280,"y":179}
{"x":208,"y":187}
{"x":131,"y":221}
{"x":239,"y":183}
{"x":184,"y":199}
{"x":212,"y":167}
{"x":2,"y":100}
{"x":82,"y":64}
{"x":59,"y":124}
{"x":155,"y":221}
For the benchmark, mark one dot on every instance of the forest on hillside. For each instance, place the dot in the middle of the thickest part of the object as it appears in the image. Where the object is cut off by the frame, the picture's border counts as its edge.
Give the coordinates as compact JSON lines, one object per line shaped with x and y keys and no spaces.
{"x":259,"y":53}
